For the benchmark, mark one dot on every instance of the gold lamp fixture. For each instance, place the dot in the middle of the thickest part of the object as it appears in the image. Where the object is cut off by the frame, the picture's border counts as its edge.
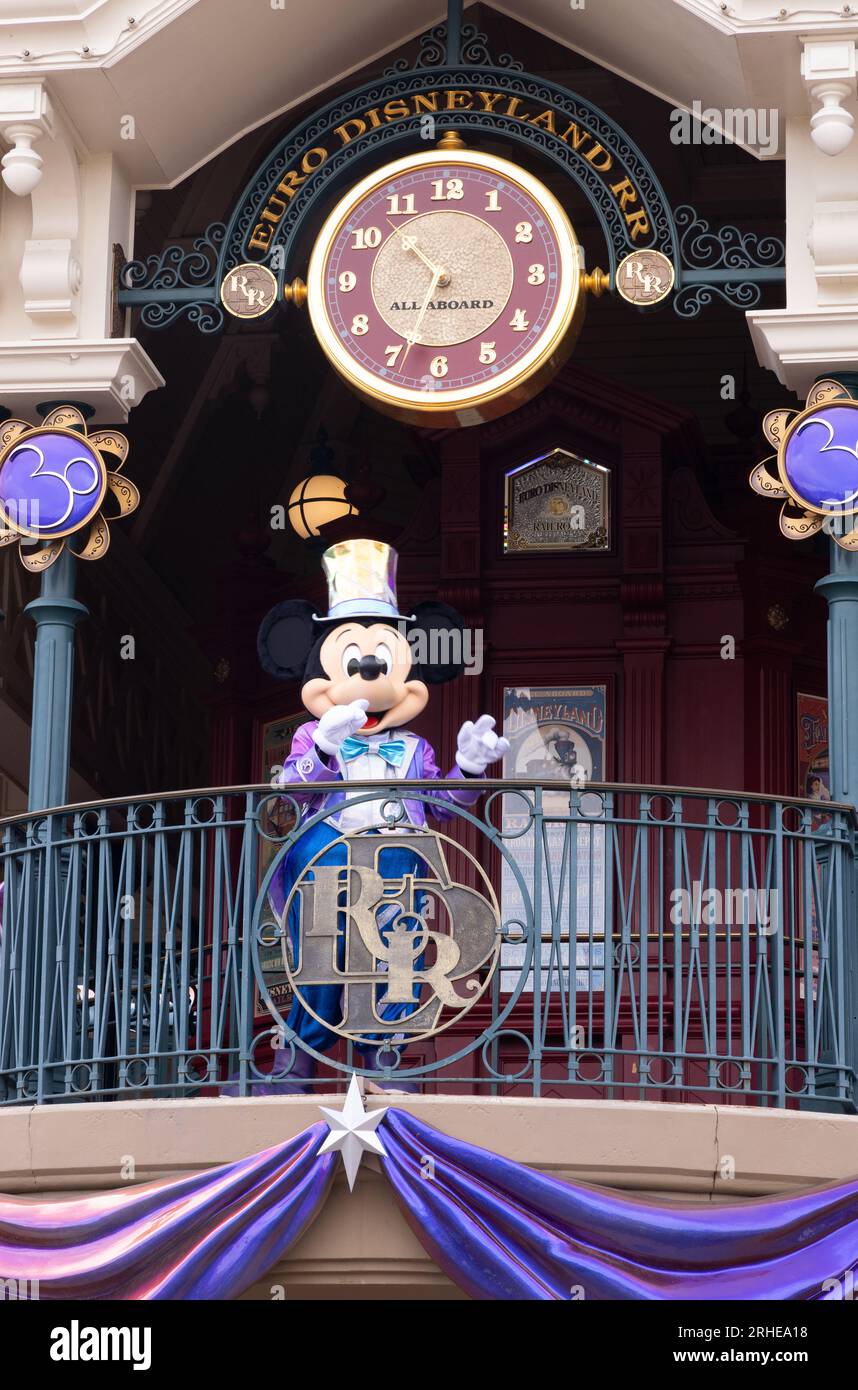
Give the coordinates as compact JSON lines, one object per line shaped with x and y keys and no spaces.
{"x":316,"y":502}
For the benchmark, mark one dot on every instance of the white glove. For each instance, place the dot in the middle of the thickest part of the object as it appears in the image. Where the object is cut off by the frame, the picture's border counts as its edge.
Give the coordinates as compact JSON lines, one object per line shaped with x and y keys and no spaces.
{"x":339,"y":723}
{"x":478,"y":745}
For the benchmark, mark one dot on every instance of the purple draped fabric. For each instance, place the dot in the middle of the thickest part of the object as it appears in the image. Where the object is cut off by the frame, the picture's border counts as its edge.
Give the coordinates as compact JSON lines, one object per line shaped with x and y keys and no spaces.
{"x":208,"y":1235}
{"x":498,"y":1229}
{"x":503,"y":1231}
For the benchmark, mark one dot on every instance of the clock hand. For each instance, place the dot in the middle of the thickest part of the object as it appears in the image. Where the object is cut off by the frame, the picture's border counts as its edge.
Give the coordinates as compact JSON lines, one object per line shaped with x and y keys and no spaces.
{"x":412,"y":336}
{"x":409,"y":241}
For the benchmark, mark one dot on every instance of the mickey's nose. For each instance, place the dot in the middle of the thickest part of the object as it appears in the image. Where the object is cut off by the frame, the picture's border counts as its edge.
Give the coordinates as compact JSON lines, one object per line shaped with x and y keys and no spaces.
{"x":370,"y":668}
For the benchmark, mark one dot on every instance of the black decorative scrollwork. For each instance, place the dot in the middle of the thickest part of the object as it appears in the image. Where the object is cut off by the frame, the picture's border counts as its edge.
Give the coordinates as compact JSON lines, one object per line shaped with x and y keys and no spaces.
{"x":726,"y":248}
{"x":691,"y":299}
{"x":432,"y":52}
{"x":176,"y":267}
{"x":204,"y":314}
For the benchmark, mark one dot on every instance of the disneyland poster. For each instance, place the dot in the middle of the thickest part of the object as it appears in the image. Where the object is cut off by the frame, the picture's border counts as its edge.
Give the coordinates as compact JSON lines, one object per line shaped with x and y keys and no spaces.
{"x":275,"y":743}
{"x":814,"y":778}
{"x":557,"y":734}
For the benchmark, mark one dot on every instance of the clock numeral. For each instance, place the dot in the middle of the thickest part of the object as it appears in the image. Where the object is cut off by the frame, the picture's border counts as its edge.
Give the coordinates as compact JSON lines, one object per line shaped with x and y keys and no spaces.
{"x":360,"y":325}
{"x":518,"y":322}
{"x":348,"y":280}
{"x":492,"y":203}
{"x":392,"y":353}
{"x":365,"y":237}
{"x":487,"y":353}
{"x":399,"y":205}
{"x":438,"y":366}
{"x":454,"y":189}
{"x":535,"y":274}
{"x":523,"y":231}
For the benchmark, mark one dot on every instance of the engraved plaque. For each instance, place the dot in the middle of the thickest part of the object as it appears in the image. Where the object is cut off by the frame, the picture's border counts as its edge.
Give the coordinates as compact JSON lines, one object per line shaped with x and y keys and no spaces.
{"x":557,"y":502}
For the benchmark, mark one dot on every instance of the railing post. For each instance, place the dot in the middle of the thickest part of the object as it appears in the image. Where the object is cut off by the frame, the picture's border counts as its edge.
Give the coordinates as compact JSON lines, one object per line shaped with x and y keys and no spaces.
{"x":538,"y":848}
{"x":249,"y":871}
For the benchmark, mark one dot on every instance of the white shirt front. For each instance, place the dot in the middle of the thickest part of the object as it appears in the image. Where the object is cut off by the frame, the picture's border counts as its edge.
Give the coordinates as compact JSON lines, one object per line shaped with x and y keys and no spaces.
{"x":370,"y":766}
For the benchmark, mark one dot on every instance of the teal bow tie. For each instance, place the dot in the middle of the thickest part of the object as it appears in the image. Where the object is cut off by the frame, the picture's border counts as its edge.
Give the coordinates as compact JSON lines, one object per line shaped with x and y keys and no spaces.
{"x":393,"y":751}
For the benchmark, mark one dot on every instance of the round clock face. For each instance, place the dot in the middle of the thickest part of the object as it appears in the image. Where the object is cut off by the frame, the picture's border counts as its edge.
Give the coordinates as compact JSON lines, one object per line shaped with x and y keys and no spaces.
{"x":447,"y":285}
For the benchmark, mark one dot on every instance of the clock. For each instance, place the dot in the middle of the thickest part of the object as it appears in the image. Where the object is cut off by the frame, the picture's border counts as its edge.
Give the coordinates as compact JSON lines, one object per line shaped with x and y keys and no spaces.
{"x":446,"y":287}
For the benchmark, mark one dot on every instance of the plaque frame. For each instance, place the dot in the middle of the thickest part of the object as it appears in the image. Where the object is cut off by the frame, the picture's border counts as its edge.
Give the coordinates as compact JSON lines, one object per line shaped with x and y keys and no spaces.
{"x":594,"y":539}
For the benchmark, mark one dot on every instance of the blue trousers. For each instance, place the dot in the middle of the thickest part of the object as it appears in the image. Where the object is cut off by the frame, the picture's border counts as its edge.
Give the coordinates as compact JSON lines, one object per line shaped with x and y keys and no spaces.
{"x":327,"y":1000}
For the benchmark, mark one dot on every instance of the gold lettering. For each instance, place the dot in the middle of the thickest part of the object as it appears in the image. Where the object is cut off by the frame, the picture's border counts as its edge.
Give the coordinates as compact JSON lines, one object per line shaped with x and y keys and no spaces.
{"x":579,"y":135}
{"x":343,"y":130}
{"x":459,"y":101}
{"x":261,"y":239}
{"x":374,"y":118}
{"x":396,"y":110}
{"x":489,"y":101}
{"x":592,"y":156}
{"x":271,"y":212}
{"x":514,"y":103}
{"x":624,"y":192}
{"x":289,"y":183}
{"x":429,"y":102}
{"x":322,"y":156}
{"x":546,"y":119}
{"x":638,"y":223}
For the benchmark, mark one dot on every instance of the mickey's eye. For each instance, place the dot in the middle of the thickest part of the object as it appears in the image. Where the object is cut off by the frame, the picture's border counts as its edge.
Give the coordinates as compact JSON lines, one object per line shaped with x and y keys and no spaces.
{"x":351,"y":659}
{"x":384,"y":657}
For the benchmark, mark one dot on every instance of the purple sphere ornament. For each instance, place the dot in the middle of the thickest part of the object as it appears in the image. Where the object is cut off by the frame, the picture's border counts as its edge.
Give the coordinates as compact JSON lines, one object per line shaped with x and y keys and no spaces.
{"x":51,"y":484}
{"x":815,"y":473}
{"x":819,"y":459}
{"x":54,"y":484}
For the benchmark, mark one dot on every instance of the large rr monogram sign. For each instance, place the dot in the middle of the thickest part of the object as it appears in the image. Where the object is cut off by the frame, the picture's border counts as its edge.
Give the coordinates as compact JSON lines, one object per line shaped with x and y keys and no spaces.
{"x":412,"y":951}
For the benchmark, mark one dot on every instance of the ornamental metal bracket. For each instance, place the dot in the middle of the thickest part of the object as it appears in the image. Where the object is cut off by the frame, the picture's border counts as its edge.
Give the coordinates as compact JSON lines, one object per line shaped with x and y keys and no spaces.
{"x":454,"y":83}
{"x":725,"y":262}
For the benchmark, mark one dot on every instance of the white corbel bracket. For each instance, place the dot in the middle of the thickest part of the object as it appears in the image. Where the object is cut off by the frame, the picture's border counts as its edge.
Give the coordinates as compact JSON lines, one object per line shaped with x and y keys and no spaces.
{"x":25,"y":117}
{"x":828,"y":66}
{"x":50,"y":271}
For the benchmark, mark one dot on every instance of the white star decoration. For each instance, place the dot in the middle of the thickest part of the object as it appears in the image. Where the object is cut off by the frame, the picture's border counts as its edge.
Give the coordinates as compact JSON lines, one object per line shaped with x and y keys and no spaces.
{"x":353,"y":1131}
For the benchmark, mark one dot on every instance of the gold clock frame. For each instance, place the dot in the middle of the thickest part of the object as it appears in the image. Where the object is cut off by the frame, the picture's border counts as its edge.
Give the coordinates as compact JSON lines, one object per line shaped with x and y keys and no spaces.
{"x":511,"y":388}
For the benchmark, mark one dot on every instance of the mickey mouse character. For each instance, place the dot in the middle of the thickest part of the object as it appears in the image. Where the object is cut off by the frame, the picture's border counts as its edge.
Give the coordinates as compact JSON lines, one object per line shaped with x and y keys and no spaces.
{"x":362,"y":685}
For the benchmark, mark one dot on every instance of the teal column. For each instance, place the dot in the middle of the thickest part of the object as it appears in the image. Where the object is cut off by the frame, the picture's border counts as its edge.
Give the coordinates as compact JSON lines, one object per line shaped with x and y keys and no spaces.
{"x":840,"y":589}
{"x":56,"y":613}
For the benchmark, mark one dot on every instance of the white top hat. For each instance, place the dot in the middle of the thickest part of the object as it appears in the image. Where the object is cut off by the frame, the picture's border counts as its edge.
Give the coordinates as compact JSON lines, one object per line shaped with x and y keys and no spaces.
{"x":361,"y":577}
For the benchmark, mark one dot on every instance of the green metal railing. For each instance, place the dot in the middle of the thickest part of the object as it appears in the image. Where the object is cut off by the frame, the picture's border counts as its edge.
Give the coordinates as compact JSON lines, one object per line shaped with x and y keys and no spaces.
{"x":654,"y":943}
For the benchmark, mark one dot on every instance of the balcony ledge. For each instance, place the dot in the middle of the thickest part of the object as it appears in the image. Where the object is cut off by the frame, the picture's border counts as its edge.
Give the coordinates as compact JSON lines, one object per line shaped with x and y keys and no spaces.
{"x":641,"y":1146}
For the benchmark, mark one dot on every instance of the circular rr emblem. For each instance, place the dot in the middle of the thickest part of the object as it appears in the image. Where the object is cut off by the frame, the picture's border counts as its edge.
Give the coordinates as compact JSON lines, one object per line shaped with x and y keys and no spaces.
{"x":644,"y":278}
{"x":381,"y":920}
{"x":248,"y":291}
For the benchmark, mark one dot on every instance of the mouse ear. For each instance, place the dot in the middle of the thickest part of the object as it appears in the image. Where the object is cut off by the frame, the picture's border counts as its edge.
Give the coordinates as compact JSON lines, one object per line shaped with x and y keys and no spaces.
{"x":439,"y":648}
{"x":286,"y":637}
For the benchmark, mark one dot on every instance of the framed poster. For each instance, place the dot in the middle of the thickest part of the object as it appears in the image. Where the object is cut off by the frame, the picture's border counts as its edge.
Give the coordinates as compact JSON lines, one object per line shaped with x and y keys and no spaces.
{"x":814,"y":777}
{"x":557,"y":734}
{"x":275,"y":741}
{"x":814,"y":782}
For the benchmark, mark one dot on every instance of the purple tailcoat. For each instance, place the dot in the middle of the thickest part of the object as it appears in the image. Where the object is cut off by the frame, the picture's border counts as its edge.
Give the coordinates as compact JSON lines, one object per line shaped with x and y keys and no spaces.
{"x":306,"y":764}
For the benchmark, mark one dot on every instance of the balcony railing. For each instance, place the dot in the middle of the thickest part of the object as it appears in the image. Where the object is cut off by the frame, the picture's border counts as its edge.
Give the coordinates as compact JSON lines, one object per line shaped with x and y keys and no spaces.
{"x":644,"y":943}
